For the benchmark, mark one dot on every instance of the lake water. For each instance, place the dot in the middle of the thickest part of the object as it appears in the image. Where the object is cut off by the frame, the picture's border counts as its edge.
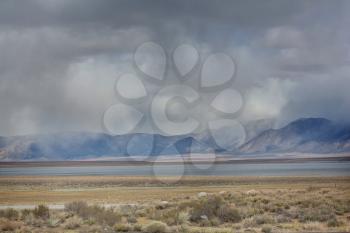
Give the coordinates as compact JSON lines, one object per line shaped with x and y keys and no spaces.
{"x":266,"y":169}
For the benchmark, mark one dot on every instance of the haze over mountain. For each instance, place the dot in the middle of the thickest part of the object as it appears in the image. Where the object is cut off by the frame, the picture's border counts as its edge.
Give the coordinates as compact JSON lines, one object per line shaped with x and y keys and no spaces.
{"x":314,"y":135}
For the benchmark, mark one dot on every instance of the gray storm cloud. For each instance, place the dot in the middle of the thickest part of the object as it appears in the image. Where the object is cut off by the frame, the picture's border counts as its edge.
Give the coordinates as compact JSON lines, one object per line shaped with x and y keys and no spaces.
{"x":59,"y":59}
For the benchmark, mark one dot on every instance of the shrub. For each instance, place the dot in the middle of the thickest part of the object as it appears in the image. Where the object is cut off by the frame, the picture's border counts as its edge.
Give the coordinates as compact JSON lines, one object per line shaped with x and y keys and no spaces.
{"x":53,"y":222}
{"x":183,"y":217}
{"x":94,"y":229}
{"x":127,"y":210}
{"x":7,"y":225}
{"x":249,"y":222}
{"x":25,"y":230}
{"x":25,"y":213}
{"x":137,"y":227}
{"x":171,"y":216}
{"x":229,"y":214}
{"x":283,"y":218}
{"x":131,"y":219}
{"x":141,"y":213}
{"x":214,"y":207}
{"x":206,"y":206}
{"x":205,"y":223}
{"x":320,"y":214}
{"x":334,"y":223}
{"x":37,"y":222}
{"x":156,"y":227}
{"x":73,"y":223}
{"x":258,"y":220}
{"x":108,"y":217}
{"x":184,"y":229}
{"x":266,"y":229}
{"x":122,"y":227}
{"x":312,"y":226}
{"x":215,"y":221}
{"x":263,"y":219}
{"x":252,"y":192}
{"x":341,"y":206}
{"x":77,"y":207}
{"x":9,"y":213}
{"x":29,"y":219}
{"x":95,"y":212}
{"x":41,"y":211}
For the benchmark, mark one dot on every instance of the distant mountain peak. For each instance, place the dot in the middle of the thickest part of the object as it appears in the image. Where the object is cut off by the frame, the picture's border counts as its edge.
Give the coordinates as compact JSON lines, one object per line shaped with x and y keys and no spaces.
{"x":318,"y":135}
{"x":309,"y":122}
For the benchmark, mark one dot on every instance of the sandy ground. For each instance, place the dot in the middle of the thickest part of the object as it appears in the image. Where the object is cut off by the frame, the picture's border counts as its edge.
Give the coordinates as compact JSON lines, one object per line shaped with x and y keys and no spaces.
{"x":55,"y":191}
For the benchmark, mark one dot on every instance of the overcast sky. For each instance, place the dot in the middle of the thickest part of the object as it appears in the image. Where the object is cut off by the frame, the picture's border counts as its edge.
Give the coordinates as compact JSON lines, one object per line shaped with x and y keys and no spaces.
{"x":59,"y":59}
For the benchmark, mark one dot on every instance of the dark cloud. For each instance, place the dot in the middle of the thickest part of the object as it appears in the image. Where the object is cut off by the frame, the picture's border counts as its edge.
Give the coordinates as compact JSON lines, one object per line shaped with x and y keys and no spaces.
{"x":59,"y":58}
{"x":125,"y":13}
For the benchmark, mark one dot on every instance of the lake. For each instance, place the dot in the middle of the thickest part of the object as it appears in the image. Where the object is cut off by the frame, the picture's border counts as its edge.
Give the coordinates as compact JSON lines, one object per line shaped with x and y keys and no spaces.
{"x":329,"y":168}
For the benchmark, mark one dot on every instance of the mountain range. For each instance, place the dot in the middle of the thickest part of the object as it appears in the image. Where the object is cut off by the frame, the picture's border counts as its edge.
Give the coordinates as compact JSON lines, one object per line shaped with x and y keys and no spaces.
{"x":311,"y":135}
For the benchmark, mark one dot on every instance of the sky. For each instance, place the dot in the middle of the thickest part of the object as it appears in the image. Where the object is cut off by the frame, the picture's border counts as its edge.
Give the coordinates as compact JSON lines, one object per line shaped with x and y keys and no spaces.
{"x":60,"y":59}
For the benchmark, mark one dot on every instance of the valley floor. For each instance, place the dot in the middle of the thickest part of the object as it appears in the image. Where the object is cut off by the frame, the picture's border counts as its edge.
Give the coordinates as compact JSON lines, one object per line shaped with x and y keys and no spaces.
{"x":194,"y":204}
